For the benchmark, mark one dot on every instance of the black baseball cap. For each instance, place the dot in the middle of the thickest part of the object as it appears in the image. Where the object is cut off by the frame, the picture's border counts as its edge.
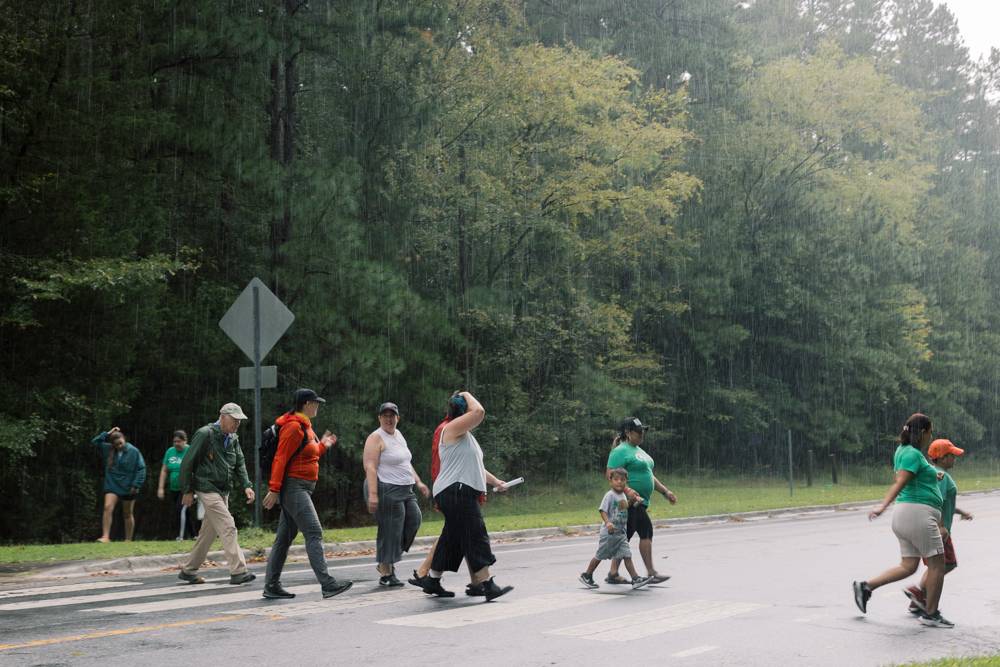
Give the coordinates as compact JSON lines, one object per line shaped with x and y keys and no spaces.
{"x":632,"y":424}
{"x":392,"y":407}
{"x":303,"y":396}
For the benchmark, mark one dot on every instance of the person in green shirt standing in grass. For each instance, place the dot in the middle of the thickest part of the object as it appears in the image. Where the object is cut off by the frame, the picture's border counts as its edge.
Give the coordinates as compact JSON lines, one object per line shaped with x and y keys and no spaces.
{"x":916,"y":521}
{"x":626,"y":453}
{"x":170,"y":475}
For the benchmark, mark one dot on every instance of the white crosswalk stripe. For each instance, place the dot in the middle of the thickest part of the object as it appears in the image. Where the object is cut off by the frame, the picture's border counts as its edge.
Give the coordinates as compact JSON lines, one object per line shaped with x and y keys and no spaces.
{"x":505,"y":608}
{"x":202,"y":601}
{"x":178,"y":589}
{"x":656,"y":621}
{"x":67,"y":588}
{"x":346,"y":600}
{"x":697,"y":650}
{"x":269,"y":607}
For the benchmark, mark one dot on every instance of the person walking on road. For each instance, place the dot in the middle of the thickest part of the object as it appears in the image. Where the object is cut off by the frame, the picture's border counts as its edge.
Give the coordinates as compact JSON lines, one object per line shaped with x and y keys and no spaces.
{"x":460,"y":483}
{"x":628,"y":454}
{"x":916,"y":521}
{"x":294,"y":474}
{"x":124,"y":475}
{"x":209,"y":469}
{"x":170,"y":475}
{"x":612,"y":542}
{"x":389,"y":481}
{"x":942,"y":454}
{"x":456,"y":408}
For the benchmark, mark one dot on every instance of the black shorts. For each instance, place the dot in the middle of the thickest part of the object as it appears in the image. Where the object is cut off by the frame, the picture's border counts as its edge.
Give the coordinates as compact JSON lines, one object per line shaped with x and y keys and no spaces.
{"x":126,"y":497}
{"x":464,"y":533}
{"x":638,"y":522}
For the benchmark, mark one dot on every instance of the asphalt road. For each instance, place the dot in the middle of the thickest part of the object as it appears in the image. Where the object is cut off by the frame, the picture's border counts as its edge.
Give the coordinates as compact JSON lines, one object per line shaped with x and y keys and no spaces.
{"x":765,"y":592}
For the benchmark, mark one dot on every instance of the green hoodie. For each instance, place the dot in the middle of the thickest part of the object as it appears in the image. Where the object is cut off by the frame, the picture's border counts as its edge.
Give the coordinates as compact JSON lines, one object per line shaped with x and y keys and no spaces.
{"x":210,"y":465}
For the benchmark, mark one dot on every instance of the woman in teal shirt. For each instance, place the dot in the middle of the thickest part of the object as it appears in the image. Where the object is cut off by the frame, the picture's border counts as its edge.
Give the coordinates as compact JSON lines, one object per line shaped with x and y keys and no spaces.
{"x":170,"y":475}
{"x":916,"y":521}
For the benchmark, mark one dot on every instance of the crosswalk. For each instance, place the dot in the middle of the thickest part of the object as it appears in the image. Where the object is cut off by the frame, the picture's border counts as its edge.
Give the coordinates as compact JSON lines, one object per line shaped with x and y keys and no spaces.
{"x":407,"y":607}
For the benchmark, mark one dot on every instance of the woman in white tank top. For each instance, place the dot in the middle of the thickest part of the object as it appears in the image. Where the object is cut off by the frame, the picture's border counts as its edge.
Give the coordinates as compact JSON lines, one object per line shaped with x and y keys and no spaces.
{"x":389,"y":481}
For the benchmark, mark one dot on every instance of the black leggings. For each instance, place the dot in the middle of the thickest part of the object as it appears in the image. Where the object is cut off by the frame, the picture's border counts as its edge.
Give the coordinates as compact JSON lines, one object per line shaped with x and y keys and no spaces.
{"x":464,"y":534}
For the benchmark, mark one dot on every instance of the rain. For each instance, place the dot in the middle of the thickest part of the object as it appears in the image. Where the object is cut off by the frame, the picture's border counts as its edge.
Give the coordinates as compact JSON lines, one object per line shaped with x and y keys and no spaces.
{"x":769,"y":229}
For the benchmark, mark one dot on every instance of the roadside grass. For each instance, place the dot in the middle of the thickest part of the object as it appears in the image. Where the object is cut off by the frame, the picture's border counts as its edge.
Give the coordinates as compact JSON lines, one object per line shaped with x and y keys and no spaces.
{"x":541,"y":505}
{"x":984,"y":661}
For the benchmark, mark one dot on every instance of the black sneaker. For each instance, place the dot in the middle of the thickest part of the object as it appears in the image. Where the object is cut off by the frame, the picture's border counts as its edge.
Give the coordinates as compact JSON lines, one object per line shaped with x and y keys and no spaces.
{"x":276,"y":592}
{"x":336,"y":588}
{"x":389,"y":581}
{"x":861,"y":595}
{"x":430,"y":585}
{"x":493,"y":591}
{"x":244,"y":578}
{"x":656,"y":578}
{"x":190,"y":577}
{"x":935,"y":620}
{"x":587,"y":579}
{"x":475,"y":590}
{"x":639,"y":582}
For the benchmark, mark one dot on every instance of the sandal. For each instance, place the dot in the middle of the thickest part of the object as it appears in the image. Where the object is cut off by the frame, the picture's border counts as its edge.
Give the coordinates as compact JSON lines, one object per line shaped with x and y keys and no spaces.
{"x":617,"y":579}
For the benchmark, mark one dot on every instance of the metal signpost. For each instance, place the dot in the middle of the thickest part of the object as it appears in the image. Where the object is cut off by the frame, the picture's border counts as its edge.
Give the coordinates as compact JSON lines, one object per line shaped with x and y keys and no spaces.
{"x":255,"y":322}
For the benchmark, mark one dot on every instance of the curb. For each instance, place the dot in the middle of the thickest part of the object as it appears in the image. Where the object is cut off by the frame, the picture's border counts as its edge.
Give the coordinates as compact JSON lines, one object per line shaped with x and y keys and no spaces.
{"x":146,"y":564}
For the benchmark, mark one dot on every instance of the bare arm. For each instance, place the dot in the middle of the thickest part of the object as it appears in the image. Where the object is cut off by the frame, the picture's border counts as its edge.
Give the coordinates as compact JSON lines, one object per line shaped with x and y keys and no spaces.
{"x":494,"y":481}
{"x":370,"y":459}
{"x":459,"y":426}
{"x":662,"y":488}
{"x":607,"y":522}
{"x":163,"y":481}
{"x":421,"y":487}
{"x":903,"y":478}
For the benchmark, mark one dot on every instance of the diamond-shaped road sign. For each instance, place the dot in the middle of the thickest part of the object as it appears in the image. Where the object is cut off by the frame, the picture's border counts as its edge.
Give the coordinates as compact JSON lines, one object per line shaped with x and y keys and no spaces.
{"x":274,"y":317}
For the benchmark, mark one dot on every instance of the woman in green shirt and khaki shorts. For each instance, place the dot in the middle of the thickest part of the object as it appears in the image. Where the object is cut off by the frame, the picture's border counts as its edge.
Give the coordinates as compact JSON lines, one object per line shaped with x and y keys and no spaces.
{"x":916,"y":521}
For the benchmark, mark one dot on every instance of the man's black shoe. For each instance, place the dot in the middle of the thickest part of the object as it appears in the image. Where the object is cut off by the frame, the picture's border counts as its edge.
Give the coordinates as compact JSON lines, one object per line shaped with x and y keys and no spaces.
{"x":276,"y":592}
{"x":244,"y":578}
{"x":475,"y":590}
{"x":492,"y":591}
{"x":336,"y":589}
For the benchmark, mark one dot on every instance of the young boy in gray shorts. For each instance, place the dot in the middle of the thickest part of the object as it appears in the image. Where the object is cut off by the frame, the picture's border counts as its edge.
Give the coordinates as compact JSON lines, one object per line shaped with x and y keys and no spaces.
{"x":613,"y":543}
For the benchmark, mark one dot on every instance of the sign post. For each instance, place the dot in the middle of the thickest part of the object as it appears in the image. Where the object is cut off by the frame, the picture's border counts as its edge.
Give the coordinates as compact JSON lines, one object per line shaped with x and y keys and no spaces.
{"x":255,"y":322}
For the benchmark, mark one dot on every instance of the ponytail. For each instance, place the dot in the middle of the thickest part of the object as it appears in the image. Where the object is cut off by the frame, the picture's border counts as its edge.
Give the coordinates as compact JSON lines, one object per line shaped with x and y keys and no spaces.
{"x":914,"y":428}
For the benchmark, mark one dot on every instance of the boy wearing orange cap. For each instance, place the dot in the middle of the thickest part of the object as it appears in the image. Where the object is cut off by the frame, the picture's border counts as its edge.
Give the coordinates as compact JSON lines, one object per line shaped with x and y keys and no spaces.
{"x":942,"y":454}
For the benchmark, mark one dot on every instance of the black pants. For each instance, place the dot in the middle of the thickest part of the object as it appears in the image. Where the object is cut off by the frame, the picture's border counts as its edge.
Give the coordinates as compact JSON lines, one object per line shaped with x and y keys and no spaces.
{"x":191,"y":523}
{"x":464,"y":534}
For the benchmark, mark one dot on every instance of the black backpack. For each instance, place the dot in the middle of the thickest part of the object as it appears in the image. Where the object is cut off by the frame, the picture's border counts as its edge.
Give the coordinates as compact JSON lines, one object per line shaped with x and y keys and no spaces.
{"x":269,"y":448}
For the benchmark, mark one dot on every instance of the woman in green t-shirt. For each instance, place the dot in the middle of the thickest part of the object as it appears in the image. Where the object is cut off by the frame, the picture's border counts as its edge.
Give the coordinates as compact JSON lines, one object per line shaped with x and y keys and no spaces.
{"x":916,"y":521}
{"x":170,"y":480}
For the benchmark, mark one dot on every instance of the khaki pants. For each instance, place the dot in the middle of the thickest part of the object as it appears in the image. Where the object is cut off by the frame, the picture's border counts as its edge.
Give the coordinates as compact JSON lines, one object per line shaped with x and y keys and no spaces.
{"x":217,"y":522}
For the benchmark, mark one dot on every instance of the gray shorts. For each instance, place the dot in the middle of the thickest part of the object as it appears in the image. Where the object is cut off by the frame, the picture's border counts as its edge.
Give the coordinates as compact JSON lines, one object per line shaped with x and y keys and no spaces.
{"x":917,"y":528}
{"x":611,"y":546}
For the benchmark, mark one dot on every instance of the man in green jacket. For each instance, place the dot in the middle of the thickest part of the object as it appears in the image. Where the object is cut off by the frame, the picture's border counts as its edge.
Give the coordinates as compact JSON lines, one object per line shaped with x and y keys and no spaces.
{"x":208,"y":469}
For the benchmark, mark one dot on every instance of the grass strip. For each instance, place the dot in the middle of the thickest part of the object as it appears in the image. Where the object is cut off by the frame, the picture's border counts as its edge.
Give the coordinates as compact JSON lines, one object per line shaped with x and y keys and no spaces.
{"x":532,"y":506}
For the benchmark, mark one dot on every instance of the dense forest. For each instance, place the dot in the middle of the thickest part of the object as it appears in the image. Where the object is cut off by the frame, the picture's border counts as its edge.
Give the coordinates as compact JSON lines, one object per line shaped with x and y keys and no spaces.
{"x":732,"y":219}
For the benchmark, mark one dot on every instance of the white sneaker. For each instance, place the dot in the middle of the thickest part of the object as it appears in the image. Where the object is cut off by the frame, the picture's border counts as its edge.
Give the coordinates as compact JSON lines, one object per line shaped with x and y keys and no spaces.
{"x":639,"y":582}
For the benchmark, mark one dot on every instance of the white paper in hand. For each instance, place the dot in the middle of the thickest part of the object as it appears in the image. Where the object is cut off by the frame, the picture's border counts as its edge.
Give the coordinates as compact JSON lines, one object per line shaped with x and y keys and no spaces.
{"x":513,"y":482}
